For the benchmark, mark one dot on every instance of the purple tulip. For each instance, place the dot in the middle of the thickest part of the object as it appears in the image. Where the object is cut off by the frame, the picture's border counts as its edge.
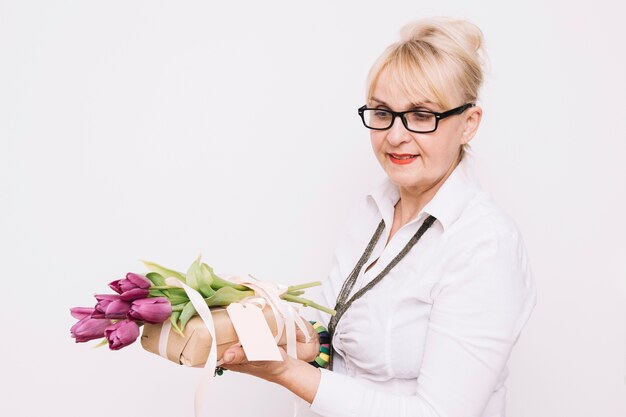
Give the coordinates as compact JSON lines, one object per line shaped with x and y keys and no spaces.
{"x":81,"y":312}
{"x":121,"y":334}
{"x":151,"y":310}
{"x":87,"y":329}
{"x":132,"y":287}
{"x":110,"y":306}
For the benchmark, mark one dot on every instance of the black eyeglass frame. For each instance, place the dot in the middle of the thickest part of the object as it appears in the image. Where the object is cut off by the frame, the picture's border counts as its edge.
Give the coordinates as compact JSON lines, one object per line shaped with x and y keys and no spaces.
{"x":438,"y":116}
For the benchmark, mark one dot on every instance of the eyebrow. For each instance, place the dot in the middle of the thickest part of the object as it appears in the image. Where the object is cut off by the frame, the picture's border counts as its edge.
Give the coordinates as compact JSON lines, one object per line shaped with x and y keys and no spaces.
{"x":418,"y":104}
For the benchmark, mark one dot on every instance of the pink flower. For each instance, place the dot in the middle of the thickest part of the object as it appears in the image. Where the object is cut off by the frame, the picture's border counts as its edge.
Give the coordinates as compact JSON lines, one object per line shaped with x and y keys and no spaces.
{"x":87,"y":328}
{"x":121,"y":334}
{"x":151,"y":310}
{"x":132,"y":287}
{"x":81,"y":312}
{"x":110,"y":306}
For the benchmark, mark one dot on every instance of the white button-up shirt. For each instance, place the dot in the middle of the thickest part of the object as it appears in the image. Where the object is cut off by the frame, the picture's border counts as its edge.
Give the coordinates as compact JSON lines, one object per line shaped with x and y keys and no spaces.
{"x":432,"y":339}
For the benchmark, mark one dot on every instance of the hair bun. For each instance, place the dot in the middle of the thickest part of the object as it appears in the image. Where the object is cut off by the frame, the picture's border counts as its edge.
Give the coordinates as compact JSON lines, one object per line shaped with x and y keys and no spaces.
{"x":445,"y":33}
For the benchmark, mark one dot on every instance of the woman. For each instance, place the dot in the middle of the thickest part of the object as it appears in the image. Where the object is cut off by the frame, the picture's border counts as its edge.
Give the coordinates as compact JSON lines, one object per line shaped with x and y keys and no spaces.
{"x":429,"y":315}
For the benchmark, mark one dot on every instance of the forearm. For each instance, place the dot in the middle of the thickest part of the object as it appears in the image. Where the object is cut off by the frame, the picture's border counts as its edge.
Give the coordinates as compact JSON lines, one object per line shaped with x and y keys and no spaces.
{"x":300,"y":378}
{"x":296,"y":375}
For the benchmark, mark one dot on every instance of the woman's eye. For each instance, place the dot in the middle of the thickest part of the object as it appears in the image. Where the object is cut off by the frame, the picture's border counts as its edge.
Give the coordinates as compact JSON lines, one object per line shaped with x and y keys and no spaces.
{"x":419,"y":116}
{"x":381,"y":114}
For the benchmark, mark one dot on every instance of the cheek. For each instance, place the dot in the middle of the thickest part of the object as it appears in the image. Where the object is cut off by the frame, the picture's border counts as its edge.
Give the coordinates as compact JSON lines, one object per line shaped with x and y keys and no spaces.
{"x":438,"y":148}
{"x":376,"y":140}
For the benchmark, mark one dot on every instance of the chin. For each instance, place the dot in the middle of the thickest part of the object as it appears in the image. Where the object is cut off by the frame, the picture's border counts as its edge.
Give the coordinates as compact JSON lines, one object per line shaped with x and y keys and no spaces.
{"x":405,"y":180}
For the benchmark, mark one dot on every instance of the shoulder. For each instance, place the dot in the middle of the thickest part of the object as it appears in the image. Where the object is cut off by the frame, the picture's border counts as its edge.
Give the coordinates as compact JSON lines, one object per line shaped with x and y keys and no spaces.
{"x":484,"y":267}
{"x":483,"y":223}
{"x":485,"y":248}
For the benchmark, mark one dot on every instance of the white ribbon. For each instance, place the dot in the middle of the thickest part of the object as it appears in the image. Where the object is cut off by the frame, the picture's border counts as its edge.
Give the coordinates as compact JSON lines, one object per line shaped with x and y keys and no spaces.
{"x":286,"y":316}
{"x":208,"y":372}
{"x":164,"y":337}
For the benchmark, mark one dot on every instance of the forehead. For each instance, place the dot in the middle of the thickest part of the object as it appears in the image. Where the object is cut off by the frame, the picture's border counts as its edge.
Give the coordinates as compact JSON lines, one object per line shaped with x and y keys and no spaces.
{"x":412,"y":80}
{"x":399,"y":93}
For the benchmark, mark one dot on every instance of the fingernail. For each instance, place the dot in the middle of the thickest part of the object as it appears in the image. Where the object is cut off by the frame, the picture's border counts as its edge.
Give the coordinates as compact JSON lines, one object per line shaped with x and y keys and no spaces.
{"x":228,"y":356}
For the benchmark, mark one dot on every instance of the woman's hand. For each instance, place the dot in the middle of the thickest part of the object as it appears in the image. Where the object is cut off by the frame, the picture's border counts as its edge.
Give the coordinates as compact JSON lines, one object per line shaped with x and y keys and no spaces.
{"x":295,"y":375}
{"x":235,"y":358}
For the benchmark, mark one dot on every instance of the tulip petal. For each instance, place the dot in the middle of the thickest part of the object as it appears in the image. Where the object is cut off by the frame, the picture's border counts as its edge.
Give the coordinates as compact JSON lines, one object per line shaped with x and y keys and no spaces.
{"x":88,"y":329}
{"x":81,"y":312}
{"x":121,"y":334}
{"x":151,"y":310}
{"x":134,"y":294}
{"x":115,"y":286}
{"x":138,"y":280}
{"x":117,"y":309}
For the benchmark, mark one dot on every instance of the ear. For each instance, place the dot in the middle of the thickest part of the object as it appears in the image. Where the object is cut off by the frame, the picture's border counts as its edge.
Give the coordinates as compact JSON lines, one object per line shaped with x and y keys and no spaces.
{"x":473,"y":117}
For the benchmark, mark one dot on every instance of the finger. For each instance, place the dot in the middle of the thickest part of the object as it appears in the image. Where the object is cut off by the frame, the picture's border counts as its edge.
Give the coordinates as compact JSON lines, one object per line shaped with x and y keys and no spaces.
{"x":308,"y":351}
{"x":234,"y":355}
{"x":301,"y":336}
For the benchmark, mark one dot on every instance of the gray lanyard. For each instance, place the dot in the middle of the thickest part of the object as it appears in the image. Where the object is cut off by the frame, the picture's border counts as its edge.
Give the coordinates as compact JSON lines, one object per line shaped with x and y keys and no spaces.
{"x":342,"y":305}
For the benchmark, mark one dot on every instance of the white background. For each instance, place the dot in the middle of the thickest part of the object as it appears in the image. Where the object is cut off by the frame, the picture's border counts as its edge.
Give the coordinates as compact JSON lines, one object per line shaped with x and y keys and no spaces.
{"x":158,"y":130}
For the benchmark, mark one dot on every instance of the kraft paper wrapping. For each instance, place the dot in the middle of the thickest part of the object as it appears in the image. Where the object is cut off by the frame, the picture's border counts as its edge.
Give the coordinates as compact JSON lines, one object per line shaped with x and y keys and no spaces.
{"x":193,"y":349}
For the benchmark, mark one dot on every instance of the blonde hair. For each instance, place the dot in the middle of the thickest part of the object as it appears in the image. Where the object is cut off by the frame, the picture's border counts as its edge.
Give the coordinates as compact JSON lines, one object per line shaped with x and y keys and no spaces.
{"x":440,"y":59}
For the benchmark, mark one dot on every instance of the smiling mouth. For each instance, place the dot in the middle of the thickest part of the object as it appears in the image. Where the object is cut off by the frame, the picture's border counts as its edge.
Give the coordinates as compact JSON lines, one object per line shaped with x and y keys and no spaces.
{"x":403,"y":156}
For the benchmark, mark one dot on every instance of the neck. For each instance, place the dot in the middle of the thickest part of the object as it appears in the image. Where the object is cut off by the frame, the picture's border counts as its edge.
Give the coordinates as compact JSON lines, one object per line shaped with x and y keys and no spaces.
{"x":414,"y":199}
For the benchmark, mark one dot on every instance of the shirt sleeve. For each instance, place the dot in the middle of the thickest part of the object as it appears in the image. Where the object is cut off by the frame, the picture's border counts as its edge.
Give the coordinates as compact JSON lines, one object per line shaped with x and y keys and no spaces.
{"x":479,"y":309}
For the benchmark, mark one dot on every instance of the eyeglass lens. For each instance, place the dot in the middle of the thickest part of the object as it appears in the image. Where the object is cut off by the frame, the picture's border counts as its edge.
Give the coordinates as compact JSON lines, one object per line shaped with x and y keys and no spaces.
{"x":382,"y":119}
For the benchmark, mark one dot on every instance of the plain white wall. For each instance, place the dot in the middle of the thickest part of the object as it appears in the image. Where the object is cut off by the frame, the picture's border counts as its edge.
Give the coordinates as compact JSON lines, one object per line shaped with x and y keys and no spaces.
{"x":157,"y":130}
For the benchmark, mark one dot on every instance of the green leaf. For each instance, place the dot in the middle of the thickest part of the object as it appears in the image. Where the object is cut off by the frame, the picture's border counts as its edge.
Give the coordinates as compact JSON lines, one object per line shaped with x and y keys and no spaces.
{"x":178,"y":307}
{"x":156,"y":278}
{"x":207,"y":276}
{"x":188,"y":312}
{"x":155,"y":293}
{"x":175,"y":299}
{"x":194,"y":274}
{"x":164,"y":272}
{"x":226,"y":295}
{"x":200,"y":278}
{"x":206,"y":291}
{"x":217,"y":282}
{"x":174,"y":320}
{"x":177,"y":292}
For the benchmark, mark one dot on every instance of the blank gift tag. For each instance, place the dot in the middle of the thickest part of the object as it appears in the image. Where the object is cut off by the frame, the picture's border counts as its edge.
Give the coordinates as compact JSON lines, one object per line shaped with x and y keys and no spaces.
{"x":254,"y":334}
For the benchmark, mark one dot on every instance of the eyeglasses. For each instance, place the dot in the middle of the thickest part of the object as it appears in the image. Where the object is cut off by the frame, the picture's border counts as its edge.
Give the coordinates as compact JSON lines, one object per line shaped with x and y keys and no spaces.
{"x":417,"y":121}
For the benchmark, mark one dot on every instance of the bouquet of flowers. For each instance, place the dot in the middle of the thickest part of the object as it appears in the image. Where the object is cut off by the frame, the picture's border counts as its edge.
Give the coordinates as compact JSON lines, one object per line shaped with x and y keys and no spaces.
{"x":158,"y":296}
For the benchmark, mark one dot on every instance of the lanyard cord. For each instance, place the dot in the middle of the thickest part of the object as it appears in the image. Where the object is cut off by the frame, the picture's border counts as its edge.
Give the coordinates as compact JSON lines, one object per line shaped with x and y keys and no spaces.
{"x":342,"y":305}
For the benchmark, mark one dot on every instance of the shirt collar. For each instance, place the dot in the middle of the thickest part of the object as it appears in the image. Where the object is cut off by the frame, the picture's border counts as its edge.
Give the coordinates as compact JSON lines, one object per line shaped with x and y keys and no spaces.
{"x":446,"y":206}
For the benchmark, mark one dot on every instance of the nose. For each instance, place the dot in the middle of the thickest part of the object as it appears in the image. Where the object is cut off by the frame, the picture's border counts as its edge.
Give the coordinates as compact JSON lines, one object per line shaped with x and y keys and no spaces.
{"x":397,"y":133}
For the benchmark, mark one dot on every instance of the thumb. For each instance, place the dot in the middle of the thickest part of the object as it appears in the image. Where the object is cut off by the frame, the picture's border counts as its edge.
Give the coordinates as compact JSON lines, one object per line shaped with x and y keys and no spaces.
{"x":234,"y":355}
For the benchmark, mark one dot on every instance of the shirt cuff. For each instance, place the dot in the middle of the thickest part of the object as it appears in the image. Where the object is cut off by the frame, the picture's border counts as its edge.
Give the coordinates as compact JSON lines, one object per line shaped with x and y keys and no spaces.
{"x":337,"y":395}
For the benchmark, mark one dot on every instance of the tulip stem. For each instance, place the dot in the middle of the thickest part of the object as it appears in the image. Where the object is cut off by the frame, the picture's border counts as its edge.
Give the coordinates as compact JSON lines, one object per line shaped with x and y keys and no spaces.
{"x":103,"y":342}
{"x":307,"y":303}
{"x":162,"y":287}
{"x":292,"y":288}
